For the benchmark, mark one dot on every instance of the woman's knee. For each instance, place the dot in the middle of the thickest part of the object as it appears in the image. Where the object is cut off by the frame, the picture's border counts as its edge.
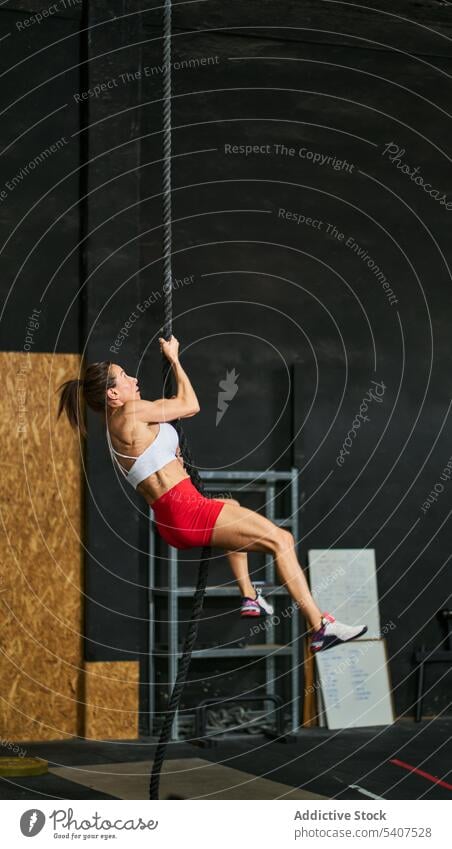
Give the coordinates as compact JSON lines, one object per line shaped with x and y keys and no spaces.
{"x":278,"y":540}
{"x":283,"y":539}
{"x":249,"y":530}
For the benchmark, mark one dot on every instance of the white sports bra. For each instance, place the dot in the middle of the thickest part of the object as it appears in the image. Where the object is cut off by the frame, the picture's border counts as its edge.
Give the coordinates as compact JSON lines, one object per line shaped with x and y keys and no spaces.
{"x":160,"y":452}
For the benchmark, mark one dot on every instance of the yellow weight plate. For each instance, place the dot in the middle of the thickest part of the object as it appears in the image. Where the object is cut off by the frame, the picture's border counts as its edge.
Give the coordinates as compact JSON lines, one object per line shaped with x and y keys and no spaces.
{"x":23,"y":766}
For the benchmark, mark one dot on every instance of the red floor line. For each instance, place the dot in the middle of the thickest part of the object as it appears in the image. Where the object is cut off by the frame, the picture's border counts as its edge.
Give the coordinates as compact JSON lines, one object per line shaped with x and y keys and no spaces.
{"x":421,"y":772}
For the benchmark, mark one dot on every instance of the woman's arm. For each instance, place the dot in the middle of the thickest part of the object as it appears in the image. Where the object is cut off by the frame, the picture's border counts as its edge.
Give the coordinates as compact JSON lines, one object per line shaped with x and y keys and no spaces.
{"x":162,"y":410}
{"x":182,"y":405}
{"x":185,"y":393}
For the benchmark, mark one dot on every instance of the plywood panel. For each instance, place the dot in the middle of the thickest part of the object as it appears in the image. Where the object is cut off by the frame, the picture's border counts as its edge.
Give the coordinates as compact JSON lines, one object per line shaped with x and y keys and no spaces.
{"x":40,"y":553}
{"x":310,"y":717}
{"x":188,"y":778}
{"x":111,"y":696}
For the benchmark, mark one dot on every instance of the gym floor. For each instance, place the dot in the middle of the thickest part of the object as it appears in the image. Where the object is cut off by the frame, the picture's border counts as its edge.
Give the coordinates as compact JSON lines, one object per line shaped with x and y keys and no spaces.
{"x":406,"y":760}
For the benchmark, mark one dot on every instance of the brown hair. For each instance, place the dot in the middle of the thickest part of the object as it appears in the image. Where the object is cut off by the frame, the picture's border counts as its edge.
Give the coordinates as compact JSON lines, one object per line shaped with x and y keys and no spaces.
{"x":97,"y":379}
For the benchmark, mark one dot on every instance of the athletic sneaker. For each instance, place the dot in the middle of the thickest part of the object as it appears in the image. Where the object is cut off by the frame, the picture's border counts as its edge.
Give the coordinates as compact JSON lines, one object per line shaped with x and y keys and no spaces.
{"x":258,"y":606}
{"x":333,"y":633}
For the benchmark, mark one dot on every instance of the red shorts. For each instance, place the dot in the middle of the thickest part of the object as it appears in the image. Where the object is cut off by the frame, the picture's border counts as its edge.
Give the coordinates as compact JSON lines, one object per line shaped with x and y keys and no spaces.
{"x":184,"y":517}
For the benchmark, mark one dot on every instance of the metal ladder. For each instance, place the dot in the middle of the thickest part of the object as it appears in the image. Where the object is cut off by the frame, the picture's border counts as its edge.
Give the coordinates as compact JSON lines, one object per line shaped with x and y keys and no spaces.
{"x":245,"y":482}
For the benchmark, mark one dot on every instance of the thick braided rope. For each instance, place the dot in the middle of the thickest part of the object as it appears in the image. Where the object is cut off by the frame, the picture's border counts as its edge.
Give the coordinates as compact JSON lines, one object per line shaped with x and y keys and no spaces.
{"x":189,"y":643}
{"x":192,"y":630}
{"x":167,"y":215}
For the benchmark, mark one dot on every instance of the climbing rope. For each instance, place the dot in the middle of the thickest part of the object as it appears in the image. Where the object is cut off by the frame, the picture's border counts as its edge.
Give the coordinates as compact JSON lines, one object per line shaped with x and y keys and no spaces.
{"x":198,"y":599}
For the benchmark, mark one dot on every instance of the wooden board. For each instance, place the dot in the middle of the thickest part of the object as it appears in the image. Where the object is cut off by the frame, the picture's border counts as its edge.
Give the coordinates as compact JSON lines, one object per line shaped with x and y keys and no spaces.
{"x":40,"y":553}
{"x":190,"y":778}
{"x":111,"y":700}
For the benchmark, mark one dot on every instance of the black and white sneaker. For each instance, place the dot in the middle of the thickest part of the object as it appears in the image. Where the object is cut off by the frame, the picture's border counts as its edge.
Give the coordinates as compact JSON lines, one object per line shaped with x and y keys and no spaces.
{"x":258,"y":606}
{"x":334,"y":633}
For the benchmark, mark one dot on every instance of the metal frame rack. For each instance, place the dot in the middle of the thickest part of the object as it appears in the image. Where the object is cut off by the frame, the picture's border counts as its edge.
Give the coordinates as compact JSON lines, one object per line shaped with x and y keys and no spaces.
{"x":246,"y":482}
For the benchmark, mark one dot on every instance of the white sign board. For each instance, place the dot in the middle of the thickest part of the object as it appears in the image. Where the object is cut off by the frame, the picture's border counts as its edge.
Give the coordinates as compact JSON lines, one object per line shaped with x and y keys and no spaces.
{"x":355,"y":685}
{"x":343,"y":581}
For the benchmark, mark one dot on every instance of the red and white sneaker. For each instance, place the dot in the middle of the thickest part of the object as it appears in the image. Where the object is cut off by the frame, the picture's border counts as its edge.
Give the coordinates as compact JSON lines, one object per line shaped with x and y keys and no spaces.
{"x":333,"y":633}
{"x":258,"y":606}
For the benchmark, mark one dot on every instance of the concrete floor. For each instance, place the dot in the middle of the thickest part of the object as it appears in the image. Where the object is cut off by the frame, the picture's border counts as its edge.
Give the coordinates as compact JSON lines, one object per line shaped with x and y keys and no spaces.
{"x":320,"y":761}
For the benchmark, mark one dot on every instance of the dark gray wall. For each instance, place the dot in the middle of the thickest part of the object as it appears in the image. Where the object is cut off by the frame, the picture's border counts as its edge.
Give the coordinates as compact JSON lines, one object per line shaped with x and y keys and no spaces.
{"x":39,"y":182}
{"x":265,"y":292}
{"x":116,"y":526}
{"x":270,"y":292}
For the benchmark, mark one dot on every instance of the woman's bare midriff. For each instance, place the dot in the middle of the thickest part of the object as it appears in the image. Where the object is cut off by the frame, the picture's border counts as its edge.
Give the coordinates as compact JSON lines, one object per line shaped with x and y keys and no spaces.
{"x":160,"y":482}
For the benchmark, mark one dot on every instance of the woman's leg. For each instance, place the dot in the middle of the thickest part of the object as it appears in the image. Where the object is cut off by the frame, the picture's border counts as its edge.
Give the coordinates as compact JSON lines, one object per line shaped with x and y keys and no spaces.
{"x":238,"y":561}
{"x":239,"y":528}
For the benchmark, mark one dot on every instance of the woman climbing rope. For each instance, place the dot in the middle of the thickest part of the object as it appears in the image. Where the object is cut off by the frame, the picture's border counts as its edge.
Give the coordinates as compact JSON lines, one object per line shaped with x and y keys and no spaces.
{"x":184,"y":517}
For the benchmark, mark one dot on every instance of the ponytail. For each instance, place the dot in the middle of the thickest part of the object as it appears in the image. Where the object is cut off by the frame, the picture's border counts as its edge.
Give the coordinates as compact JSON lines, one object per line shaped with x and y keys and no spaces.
{"x":71,"y":402}
{"x":92,"y":389}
